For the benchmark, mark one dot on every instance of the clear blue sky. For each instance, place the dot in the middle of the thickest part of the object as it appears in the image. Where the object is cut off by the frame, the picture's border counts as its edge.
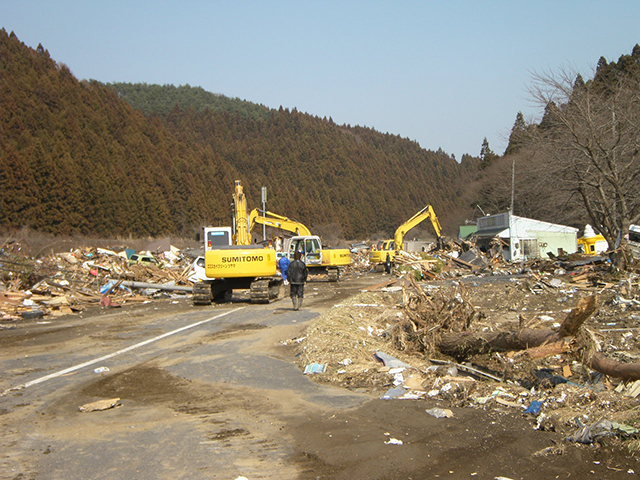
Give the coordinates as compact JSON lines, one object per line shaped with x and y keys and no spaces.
{"x":445,"y":73}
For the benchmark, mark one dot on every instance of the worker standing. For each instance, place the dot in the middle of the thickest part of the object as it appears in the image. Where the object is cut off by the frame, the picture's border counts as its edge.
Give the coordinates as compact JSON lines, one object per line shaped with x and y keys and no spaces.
{"x":283,"y":265}
{"x":297,"y":274}
{"x":387,"y":264}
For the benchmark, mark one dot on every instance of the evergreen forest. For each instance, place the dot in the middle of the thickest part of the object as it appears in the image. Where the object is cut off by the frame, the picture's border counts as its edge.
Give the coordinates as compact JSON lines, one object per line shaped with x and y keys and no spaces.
{"x":78,"y":157}
{"x":81,"y":157}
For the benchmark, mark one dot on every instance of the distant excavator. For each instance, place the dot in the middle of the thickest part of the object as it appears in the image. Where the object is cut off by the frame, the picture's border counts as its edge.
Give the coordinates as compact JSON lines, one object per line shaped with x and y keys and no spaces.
{"x":384,"y":247}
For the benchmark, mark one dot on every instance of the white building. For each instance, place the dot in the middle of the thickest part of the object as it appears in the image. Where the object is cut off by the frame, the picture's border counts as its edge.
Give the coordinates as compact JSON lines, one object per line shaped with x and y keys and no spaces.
{"x":525,"y":239}
{"x":634,"y":240}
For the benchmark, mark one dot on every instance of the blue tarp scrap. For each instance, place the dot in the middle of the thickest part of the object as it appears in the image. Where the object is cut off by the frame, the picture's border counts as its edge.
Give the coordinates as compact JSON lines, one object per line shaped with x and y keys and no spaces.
{"x":534,"y":408}
{"x":109,"y":285}
{"x":315,"y":368}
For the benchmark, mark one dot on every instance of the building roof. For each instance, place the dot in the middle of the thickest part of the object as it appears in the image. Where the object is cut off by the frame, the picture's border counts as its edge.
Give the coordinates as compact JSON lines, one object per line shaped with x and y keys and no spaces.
{"x":516,"y":226}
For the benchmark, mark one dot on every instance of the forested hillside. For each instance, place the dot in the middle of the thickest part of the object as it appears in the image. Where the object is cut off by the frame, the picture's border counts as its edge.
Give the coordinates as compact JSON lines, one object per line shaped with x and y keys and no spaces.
{"x":162,"y":99}
{"x":75,"y":157}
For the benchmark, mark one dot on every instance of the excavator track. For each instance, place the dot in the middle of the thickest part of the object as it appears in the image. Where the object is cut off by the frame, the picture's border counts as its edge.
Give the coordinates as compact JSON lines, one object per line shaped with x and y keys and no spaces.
{"x":333,"y":274}
{"x":264,"y":290}
{"x":201,"y":293}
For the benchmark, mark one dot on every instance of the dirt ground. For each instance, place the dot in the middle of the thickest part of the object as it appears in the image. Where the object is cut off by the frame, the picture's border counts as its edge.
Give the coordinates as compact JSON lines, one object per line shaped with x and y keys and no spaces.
{"x":195,"y":406}
{"x":488,"y":434}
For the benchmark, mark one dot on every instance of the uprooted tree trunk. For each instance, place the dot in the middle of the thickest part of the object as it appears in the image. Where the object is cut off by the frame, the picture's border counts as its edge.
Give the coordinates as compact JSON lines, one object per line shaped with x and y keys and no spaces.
{"x":462,"y":345}
{"x":626,"y":371}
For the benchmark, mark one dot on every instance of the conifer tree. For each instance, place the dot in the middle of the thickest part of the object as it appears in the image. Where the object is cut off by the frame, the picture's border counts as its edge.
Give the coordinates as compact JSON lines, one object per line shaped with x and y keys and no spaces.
{"x":486,"y":154}
{"x":517,"y":135}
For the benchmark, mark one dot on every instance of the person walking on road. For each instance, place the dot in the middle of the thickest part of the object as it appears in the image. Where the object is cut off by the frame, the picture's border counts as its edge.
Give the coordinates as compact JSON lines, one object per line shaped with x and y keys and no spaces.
{"x":387,"y":264}
{"x":283,"y":265}
{"x":297,"y":277}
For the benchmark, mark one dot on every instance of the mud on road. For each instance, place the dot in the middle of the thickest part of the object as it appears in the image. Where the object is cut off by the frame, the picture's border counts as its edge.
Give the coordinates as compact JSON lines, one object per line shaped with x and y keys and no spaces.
{"x":227,"y":399}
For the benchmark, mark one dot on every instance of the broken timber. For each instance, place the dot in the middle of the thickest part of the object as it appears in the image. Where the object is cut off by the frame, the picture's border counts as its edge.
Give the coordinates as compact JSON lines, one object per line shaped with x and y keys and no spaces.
{"x":462,"y":345}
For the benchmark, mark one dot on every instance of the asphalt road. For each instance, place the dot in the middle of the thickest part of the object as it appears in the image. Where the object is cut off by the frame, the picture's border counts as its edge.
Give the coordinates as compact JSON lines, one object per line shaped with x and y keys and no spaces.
{"x":191,"y":380}
{"x":212,"y":393}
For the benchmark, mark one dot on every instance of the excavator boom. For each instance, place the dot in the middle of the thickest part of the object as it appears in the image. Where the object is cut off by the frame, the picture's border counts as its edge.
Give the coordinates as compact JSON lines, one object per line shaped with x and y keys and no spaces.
{"x":242,"y":235}
{"x":271,"y":219}
{"x":390,"y":247}
{"x":426,"y":212}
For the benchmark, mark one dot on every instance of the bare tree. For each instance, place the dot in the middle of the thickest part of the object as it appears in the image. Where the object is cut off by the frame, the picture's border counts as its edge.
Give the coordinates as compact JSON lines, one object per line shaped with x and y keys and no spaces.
{"x":590,"y":136}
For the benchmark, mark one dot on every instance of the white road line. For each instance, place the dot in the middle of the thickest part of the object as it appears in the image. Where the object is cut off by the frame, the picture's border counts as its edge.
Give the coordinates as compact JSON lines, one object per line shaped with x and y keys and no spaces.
{"x":111,"y":355}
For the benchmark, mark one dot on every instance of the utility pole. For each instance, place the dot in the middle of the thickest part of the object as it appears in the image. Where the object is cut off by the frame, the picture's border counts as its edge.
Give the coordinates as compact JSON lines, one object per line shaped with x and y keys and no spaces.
{"x":264,"y":208}
{"x":513,"y":182}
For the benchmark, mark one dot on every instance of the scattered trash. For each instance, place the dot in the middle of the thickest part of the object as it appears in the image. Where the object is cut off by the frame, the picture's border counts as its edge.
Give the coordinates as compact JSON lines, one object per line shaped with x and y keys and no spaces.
{"x":590,"y":433}
{"x":315,"y":368}
{"x":32,"y":314}
{"x":101,"y":370}
{"x":534,"y":407}
{"x":393,"y":441}
{"x":440,"y":412}
{"x":388,"y":360}
{"x":395,"y":392}
{"x":67,"y":282}
{"x":507,"y":403}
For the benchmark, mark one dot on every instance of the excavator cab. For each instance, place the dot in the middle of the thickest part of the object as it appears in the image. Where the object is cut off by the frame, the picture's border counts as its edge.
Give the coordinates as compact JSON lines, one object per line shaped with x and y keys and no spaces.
{"x":309,"y":248}
{"x":216,"y":237}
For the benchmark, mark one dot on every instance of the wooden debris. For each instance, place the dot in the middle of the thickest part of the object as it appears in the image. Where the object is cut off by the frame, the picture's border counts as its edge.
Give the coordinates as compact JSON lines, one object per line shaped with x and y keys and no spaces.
{"x":69,"y":282}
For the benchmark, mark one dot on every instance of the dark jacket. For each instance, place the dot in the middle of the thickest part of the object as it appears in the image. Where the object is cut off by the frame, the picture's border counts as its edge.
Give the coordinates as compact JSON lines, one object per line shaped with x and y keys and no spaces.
{"x":297,"y":272}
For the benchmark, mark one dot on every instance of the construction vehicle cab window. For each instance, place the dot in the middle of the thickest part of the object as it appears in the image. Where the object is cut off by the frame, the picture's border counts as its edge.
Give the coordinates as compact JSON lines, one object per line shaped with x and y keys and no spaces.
{"x":309,"y":248}
{"x":218,"y":237}
{"x":322,"y":262}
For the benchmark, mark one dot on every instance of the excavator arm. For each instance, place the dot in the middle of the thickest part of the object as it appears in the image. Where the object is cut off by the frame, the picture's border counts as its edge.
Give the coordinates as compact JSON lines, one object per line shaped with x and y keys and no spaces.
{"x":271,"y":219}
{"x":242,"y":235}
{"x":426,"y":213}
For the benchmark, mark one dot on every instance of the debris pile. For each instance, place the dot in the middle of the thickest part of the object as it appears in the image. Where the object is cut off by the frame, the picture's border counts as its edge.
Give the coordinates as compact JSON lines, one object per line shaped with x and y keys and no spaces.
{"x":559,"y":344}
{"x":70,"y":282}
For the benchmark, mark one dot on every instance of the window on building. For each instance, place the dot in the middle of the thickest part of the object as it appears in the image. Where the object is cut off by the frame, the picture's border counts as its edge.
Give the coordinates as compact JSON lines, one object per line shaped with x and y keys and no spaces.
{"x":530,"y":248}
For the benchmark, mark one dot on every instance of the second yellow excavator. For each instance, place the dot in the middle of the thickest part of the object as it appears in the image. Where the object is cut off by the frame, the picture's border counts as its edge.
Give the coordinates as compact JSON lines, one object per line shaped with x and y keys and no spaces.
{"x":320,"y":259}
{"x":379,"y":255}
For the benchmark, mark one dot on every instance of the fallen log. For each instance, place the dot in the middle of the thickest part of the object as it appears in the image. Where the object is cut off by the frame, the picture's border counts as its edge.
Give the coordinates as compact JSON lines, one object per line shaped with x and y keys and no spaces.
{"x":462,"y":345}
{"x":625,"y":371}
{"x":585,"y":308}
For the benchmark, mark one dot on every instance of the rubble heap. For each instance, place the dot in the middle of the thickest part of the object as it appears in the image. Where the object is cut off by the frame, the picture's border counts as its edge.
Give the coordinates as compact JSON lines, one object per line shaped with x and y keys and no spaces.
{"x":557,"y":342}
{"x":70,"y":282}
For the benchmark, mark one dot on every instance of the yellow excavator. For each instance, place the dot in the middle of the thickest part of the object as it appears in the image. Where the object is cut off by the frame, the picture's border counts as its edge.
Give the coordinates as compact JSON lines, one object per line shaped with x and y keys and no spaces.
{"x":232,"y":262}
{"x":319,"y":259}
{"x":591,"y":243}
{"x":379,"y":255}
